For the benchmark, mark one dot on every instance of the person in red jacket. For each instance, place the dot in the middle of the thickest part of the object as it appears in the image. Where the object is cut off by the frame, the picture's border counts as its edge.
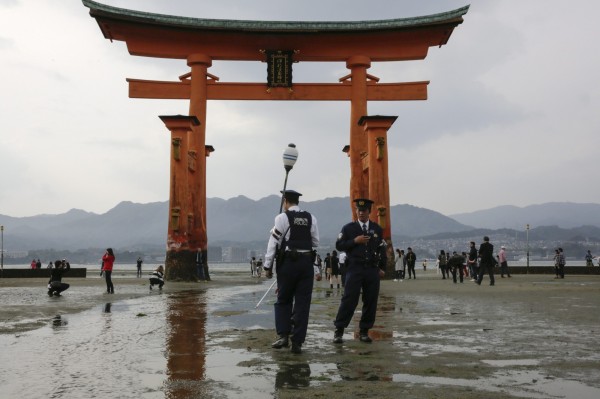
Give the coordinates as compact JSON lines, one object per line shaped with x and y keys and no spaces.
{"x":107,"y":266}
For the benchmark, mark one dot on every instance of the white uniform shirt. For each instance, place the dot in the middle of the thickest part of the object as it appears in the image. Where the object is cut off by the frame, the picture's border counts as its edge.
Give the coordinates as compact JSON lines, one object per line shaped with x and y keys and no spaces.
{"x":281,"y":227}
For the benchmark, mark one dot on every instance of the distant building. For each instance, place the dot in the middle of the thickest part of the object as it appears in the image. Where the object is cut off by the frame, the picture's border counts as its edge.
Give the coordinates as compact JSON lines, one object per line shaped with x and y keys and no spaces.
{"x":214,"y":254}
{"x":235,"y":254}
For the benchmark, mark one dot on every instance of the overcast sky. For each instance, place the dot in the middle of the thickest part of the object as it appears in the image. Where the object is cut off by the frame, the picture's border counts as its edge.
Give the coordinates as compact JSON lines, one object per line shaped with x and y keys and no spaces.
{"x":512,"y":116}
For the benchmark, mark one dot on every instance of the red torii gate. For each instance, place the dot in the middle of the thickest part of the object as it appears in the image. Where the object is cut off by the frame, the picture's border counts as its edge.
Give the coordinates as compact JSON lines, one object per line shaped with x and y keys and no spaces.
{"x":279,"y":43}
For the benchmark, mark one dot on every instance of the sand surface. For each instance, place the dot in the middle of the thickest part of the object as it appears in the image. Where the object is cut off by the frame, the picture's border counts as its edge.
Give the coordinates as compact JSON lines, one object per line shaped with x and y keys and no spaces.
{"x":528,"y":336}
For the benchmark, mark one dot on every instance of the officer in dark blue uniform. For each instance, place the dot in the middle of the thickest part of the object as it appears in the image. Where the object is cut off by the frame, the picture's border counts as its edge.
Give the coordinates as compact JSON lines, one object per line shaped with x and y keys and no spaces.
{"x":296,"y":234}
{"x":365,"y":265}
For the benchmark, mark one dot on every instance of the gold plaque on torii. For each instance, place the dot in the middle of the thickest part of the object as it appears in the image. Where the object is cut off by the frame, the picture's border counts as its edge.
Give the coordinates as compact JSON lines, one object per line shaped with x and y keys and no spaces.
{"x":279,"y":68}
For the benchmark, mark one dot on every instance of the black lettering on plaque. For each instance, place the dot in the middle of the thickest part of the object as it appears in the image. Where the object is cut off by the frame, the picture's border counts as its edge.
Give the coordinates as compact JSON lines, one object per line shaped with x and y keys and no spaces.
{"x":279,"y":68}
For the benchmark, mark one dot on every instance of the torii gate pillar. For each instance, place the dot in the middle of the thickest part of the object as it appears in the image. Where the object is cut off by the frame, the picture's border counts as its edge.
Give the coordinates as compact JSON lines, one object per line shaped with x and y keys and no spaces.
{"x":181,"y":256}
{"x":375,"y":168}
{"x":358,"y":66}
{"x":199,"y":64}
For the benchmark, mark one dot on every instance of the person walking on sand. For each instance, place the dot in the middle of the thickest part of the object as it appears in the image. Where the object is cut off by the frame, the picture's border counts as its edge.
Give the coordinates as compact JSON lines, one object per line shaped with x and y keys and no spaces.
{"x":486,"y":254}
{"x":296,"y":234}
{"x":472,"y":261}
{"x":398,"y":265}
{"x":411,"y":260}
{"x":366,"y":257}
{"x":455,"y":264}
{"x":442,"y":261}
{"x":108,"y":259}
{"x":503,"y":262}
{"x":335,"y":270}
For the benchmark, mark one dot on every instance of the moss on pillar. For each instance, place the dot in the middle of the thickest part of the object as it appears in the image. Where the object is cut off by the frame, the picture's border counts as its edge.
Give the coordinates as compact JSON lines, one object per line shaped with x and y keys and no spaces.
{"x":181,"y":266}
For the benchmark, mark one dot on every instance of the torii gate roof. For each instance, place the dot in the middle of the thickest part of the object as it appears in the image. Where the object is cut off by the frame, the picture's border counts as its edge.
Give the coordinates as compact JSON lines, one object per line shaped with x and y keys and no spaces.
{"x":167,"y":36}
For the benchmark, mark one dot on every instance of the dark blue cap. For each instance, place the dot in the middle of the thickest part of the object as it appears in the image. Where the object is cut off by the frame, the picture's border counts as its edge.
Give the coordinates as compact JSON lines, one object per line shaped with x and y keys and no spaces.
{"x":363,"y":203}
{"x":291,"y":195}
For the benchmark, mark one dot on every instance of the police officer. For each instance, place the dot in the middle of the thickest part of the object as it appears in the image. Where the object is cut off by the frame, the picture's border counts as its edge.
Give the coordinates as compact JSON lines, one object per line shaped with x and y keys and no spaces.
{"x":365,"y":265}
{"x":296,"y":233}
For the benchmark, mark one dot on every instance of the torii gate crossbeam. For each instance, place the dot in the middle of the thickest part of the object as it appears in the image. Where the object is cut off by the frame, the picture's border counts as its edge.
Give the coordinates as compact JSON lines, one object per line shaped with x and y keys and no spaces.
{"x":259,"y":91}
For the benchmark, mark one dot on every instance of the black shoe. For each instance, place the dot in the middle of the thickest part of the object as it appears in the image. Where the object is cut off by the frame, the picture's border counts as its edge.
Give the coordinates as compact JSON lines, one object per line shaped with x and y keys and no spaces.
{"x":363,"y":336}
{"x":282,"y":342}
{"x":296,"y":348}
{"x":338,"y":336}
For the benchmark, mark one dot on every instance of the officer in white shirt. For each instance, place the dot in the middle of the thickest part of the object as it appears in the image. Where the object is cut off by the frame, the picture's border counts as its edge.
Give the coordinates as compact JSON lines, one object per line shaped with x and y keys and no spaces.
{"x":296,"y":234}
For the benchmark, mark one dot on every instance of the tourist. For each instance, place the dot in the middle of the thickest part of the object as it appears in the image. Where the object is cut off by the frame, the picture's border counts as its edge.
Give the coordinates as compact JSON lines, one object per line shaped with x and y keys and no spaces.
{"x":327,"y":262}
{"x":108,"y":259}
{"x":411,"y":260}
{"x":253,"y":266}
{"x":295,"y":234}
{"x":487,"y":261}
{"x":259,"y":267}
{"x":503,"y":262}
{"x":455,"y":263}
{"x":157,"y":277}
{"x":398,"y":265}
{"x":55,"y":284}
{"x":561,"y":263}
{"x":335,"y":270}
{"x":589,"y":258}
{"x":442,"y":262}
{"x":363,"y":243}
{"x":556,"y":263}
{"x":139,"y":266}
{"x":472,"y":261}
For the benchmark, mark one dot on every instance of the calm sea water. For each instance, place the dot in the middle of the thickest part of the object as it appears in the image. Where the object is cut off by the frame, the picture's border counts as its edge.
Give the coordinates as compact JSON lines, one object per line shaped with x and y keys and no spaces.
{"x":130,"y":269}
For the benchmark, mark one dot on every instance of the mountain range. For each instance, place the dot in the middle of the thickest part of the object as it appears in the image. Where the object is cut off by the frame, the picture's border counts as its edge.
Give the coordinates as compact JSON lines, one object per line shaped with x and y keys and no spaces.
{"x":243,"y":220}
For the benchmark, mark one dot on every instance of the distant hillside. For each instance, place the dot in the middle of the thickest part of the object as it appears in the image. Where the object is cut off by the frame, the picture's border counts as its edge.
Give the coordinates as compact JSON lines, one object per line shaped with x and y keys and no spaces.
{"x":238,"y":219}
{"x":242,"y":220}
{"x":563,"y":214}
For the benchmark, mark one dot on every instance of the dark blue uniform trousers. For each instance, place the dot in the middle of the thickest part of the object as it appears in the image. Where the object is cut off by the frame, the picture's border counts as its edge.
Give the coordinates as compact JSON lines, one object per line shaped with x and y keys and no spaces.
{"x":294,"y":285}
{"x":357,"y":278}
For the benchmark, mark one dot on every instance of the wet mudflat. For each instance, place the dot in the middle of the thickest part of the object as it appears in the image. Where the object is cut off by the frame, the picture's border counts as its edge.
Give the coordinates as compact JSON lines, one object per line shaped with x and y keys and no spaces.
{"x":527,"y":337}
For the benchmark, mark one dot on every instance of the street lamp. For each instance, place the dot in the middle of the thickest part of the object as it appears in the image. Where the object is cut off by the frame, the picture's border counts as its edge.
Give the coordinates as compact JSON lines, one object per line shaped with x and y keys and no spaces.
{"x":527,"y":227}
{"x":290,"y":155}
{"x":2,"y":251}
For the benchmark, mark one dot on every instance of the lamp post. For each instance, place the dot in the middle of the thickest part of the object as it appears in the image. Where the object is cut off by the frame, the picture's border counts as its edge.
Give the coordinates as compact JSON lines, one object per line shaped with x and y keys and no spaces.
{"x":290,"y":155}
{"x":527,"y":228}
{"x":2,"y":251}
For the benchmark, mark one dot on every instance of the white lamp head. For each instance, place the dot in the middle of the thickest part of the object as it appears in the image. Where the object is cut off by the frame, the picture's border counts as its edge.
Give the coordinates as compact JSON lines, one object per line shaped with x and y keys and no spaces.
{"x":290,"y":155}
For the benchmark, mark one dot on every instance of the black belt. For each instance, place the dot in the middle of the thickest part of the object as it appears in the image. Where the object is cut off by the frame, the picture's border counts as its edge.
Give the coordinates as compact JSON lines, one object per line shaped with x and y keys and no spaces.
{"x":299,"y":253}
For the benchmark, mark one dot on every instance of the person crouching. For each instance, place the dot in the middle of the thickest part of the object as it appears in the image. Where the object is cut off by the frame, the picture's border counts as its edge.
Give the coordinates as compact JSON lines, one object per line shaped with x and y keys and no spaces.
{"x":55,"y":284}
{"x":156,"y":278}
